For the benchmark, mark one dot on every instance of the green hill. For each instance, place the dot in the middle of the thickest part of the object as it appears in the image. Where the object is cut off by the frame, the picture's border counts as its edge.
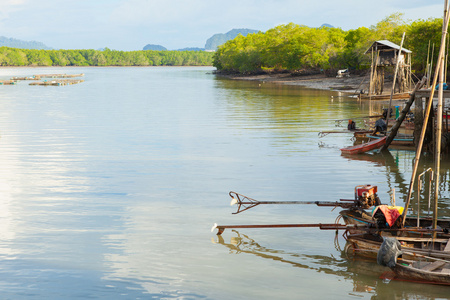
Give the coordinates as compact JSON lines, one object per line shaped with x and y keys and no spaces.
{"x":154,"y":47}
{"x":15,"y":43}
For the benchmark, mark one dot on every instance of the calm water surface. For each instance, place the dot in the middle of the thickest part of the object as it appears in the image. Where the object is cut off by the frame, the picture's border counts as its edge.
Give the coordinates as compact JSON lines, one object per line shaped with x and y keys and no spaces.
{"x":109,"y":188}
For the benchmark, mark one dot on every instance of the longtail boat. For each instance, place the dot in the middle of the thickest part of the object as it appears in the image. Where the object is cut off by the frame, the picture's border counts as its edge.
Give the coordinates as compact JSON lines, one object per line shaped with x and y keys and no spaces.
{"x":437,"y":272}
{"x":429,"y":269}
{"x":363,"y":231}
{"x":375,"y":144}
{"x":399,"y":96}
{"x":400,"y":139}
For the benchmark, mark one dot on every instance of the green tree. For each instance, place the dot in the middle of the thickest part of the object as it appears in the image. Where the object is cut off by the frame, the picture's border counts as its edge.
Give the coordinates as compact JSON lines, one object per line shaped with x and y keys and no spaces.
{"x":390,"y":28}
{"x":420,"y":34}
{"x":39,"y":58}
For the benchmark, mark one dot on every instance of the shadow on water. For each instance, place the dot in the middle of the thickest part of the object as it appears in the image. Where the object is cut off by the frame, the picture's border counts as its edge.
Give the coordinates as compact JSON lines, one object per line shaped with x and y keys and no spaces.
{"x":366,"y":277}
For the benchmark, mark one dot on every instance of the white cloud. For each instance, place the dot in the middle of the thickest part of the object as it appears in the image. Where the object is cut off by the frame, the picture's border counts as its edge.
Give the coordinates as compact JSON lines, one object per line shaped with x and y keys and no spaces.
{"x":9,"y":6}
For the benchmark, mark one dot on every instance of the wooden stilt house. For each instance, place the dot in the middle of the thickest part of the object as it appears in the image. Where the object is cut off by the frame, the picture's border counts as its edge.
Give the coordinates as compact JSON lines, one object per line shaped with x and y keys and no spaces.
{"x":384,"y":54}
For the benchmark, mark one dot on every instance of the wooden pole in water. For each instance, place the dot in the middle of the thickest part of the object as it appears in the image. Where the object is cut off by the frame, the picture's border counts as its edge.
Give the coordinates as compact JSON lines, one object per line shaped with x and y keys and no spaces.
{"x":403,"y":113}
{"x":428,"y":64}
{"x":427,"y":114}
{"x":395,"y":79}
{"x":375,"y":73}
{"x":371,"y":77}
{"x":409,"y":72}
{"x":431,"y":64}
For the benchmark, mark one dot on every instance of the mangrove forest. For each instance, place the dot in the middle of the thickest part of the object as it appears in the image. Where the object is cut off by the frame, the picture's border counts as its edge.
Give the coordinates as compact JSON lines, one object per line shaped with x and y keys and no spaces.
{"x":106,"y":57}
{"x":297,"y":48}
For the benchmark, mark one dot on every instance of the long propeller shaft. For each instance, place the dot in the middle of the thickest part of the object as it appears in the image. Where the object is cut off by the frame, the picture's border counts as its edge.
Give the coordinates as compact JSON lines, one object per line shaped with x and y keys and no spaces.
{"x":324,"y":226}
{"x":244,"y":203}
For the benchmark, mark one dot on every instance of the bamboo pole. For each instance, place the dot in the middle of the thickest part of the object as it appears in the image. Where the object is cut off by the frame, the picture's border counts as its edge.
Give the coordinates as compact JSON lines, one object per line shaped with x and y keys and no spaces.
{"x":437,"y":157}
{"x":427,"y":115}
{"x":395,"y":79}
{"x":446,"y":61}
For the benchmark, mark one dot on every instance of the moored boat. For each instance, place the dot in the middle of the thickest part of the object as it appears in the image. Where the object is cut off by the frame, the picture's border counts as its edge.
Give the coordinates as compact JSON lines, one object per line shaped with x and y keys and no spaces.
{"x":428,"y":268}
{"x":399,"y":96}
{"x":400,"y":139}
{"x":375,"y":144}
{"x":437,"y":272}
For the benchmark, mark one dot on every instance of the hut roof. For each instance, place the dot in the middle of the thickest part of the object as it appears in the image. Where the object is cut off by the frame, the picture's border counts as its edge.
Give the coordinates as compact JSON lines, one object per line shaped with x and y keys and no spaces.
{"x":386,"y":45}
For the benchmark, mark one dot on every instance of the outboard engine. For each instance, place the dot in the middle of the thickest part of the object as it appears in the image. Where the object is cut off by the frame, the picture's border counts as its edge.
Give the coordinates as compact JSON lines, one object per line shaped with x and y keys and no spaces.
{"x":366,"y":196}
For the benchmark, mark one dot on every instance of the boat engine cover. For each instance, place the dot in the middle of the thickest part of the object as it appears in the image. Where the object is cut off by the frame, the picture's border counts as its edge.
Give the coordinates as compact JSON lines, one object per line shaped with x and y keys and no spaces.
{"x":366,"y":196}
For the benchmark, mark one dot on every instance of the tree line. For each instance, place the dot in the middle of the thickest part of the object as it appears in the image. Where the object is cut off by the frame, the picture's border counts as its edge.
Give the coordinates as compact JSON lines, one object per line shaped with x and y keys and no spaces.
{"x":298,"y":48}
{"x":106,"y":57}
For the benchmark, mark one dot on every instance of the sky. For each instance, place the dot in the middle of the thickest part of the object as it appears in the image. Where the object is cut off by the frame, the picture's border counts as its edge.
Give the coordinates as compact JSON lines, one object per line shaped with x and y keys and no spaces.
{"x":131,"y":24}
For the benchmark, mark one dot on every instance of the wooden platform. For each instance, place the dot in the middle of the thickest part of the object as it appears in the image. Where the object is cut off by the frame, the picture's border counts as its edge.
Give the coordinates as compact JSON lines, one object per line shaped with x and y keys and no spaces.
{"x":57,"y":82}
{"x":7,"y":82}
{"x":40,"y":76}
{"x":425,"y":93}
{"x":399,"y":96}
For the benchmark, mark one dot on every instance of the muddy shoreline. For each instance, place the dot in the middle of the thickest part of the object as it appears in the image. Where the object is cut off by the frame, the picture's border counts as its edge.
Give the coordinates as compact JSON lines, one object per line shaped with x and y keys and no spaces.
{"x":351,"y":85}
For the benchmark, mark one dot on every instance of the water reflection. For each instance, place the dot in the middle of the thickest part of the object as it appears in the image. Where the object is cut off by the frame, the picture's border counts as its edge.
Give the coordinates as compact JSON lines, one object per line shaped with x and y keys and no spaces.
{"x":395,"y":162}
{"x":366,"y":276}
{"x":242,"y":243}
{"x":108,"y":189}
{"x":389,"y":161}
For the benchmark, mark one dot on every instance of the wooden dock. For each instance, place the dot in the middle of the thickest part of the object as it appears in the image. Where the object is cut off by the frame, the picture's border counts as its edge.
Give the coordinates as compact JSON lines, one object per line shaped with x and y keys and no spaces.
{"x":398,"y":96}
{"x":40,"y":76}
{"x":24,"y":78}
{"x":425,"y":93}
{"x":7,"y":82}
{"x":59,"y":75}
{"x":56,"y":79}
{"x":58,"y":82}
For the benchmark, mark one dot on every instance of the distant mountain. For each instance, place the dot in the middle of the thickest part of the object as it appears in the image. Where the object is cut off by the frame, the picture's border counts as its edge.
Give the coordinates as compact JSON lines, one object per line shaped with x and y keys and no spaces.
{"x":15,"y":43}
{"x":154,"y":47}
{"x":192,"y":49}
{"x":220,"y":38}
{"x":326,"y":25}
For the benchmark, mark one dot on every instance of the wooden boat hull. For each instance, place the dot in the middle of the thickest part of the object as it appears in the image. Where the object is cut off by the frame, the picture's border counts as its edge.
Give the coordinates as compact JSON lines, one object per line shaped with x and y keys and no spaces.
{"x":398,"y":140}
{"x":361,"y":217}
{"x":440,"y":276}
{"x":399,"y":96}
{"x":365,"y":244}
{"x":375,"y":144}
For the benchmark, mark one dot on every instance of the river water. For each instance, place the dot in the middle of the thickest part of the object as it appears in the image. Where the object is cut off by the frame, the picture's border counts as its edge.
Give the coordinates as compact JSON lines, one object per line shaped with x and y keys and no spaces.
{"x":109,"y":189}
